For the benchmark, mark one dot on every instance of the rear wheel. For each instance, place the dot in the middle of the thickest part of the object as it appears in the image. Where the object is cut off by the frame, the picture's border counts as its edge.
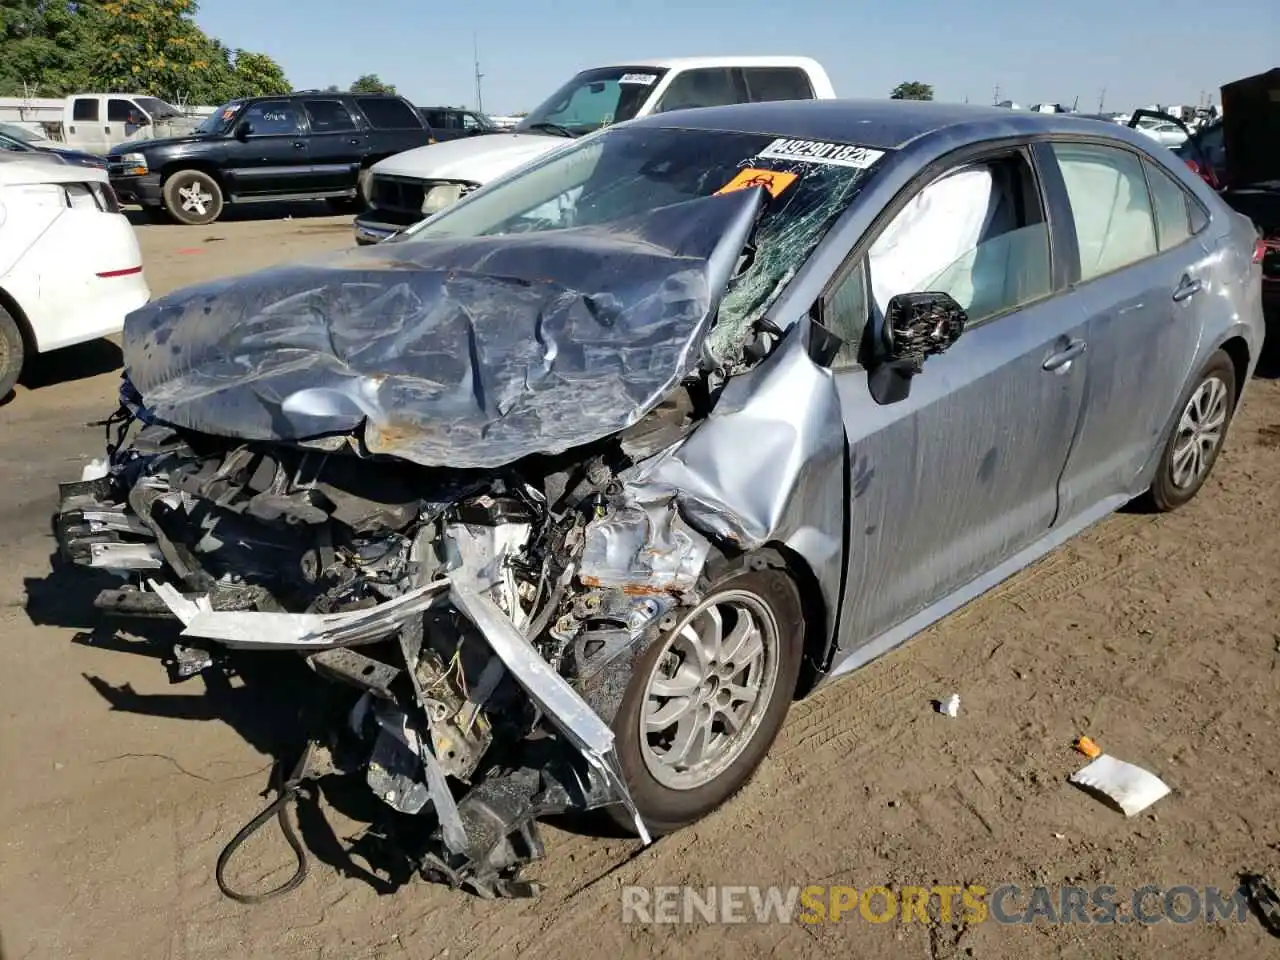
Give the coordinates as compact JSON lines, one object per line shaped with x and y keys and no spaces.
{"x":192,"y":197}
{"x":1197,"y":436}
{"x":12,"y":353}
{"x":707,"y":698}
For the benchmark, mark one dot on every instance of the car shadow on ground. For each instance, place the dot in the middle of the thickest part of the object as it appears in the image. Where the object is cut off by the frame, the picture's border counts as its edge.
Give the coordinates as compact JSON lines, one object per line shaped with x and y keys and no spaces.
{"x":248,"y":212}
{"x":79,"y":362}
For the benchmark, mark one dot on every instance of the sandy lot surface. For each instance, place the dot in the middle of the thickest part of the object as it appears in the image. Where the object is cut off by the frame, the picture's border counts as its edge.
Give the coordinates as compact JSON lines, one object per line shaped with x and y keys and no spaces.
{"x":1158,"y":636}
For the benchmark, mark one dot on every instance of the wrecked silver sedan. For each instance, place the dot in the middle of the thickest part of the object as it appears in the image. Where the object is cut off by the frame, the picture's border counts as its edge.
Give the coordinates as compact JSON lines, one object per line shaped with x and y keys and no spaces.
{"x":577,"y":484}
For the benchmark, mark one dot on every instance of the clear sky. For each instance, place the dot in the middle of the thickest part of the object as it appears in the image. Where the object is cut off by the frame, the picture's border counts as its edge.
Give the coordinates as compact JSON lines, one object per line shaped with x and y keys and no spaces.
{"x":1141,"y":51}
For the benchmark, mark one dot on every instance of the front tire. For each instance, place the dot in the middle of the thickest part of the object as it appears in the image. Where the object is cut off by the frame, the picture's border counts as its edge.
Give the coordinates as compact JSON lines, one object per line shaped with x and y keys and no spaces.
{"x":1199,"y":430}
{"x":192,"y":197}
{"x":12,"y":353}
{"x":707,"y":698}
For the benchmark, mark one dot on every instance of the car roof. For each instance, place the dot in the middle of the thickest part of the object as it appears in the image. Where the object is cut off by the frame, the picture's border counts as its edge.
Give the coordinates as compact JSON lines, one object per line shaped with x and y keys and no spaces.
{"x":881,"y":124}
{"x":688,"y":63}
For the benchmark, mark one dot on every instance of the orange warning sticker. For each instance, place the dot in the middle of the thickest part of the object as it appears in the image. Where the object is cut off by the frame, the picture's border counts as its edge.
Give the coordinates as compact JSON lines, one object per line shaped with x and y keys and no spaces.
{"x":771,"y":180}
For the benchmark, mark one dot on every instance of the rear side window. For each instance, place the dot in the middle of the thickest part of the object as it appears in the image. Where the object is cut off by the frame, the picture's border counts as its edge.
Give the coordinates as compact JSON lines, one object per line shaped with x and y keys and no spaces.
{"x":85,"y":110}
{"x":388,"y":113}
{"x":1109,"y":204}
{"x":118,"y":111}
{"x":328,"y":116}
{"x":777,"y":83}
{"x":711,"y":87}
{"x":1172,"y":208}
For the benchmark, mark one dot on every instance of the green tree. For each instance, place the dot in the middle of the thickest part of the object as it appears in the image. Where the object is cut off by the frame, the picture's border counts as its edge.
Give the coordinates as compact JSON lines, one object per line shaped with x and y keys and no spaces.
{"x":372,"y":83}
{"x":257,"y":75}
{"x":912,"y":90}
{"x":42,"y":48}
{"x":60,"y":47}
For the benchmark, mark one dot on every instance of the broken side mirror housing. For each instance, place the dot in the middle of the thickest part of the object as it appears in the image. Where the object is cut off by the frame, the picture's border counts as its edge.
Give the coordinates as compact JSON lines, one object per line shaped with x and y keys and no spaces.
{"x":916,"y":327}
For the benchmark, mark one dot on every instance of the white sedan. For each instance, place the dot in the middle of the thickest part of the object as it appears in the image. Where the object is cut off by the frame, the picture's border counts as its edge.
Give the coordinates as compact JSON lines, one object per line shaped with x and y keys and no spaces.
{"x":70,"y":268}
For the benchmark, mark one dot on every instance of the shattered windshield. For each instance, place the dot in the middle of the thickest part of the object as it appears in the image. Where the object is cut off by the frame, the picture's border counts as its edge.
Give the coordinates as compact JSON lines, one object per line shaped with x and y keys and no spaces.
{"x":623,"y":172}
{"x":594,"y":99}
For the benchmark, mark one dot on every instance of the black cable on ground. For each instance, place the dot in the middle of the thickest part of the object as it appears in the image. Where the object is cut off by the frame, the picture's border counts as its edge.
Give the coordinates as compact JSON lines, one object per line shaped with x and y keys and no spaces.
{"x":279,"y":808}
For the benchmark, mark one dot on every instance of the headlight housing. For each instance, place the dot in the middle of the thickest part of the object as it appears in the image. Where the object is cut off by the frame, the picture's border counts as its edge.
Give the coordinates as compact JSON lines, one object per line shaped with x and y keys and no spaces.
{"x":133,"y":164}
{"x":439,"y":196}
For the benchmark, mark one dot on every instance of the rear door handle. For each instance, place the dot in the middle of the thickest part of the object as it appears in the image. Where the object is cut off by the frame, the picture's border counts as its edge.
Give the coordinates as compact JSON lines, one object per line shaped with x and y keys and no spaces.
{"x":1060,"y":362}
{"x":1187,"y":289}
{"x":299,"y":144}
{"x":354,"y":141}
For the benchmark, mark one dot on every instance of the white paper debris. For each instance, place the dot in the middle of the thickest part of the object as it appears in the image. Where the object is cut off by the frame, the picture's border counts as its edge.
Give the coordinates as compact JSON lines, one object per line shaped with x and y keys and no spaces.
{"x":1132,"y":788}
{"x":950,"y":707}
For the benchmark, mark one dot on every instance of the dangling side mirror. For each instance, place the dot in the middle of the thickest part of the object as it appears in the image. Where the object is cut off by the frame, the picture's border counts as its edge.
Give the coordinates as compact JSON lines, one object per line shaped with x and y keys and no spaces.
{"x":916,"y":326}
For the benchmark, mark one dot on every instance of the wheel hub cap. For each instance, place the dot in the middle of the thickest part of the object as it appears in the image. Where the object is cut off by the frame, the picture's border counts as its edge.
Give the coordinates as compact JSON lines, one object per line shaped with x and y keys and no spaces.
{"x":1200,"y":432}
{"x":709,"y":690}
{"x":195,"y":200}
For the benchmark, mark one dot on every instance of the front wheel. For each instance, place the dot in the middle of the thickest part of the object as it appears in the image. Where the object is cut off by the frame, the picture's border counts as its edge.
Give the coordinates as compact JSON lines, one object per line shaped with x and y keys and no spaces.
{"x":1197,"y":435}
{"x":192,"y":197}
{"x":12,"y":353}
{"x":707,"y":698}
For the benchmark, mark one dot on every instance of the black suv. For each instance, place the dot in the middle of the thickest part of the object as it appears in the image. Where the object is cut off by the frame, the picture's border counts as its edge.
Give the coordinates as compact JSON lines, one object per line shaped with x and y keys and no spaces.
{"x":452,"y":123}
{"x":302,"y":146}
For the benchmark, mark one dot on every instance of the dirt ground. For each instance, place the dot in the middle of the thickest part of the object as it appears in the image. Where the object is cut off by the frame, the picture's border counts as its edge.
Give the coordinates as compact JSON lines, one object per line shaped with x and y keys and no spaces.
{"x":1157,"y":636}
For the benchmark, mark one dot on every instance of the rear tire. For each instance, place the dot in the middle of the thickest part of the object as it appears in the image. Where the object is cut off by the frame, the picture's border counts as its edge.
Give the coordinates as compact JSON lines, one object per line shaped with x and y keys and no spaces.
{"x":1195,"y":439}
{"x":12,"y":353}
{"x":750,"y":630}
{"x":192,"y":197}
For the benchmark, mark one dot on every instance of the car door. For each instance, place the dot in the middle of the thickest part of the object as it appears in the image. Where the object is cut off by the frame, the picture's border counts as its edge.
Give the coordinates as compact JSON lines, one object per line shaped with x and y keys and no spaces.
{"x":87,"y":129}
{"x":267,"y":153}
{"x":962,"y":473}
{"x":336,"y":146}
{"x":1142,"y":277}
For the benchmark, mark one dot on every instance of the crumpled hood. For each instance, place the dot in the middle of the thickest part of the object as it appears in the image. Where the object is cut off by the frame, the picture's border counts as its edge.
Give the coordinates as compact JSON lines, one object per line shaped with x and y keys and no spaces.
{"x":470,"y":159}
{"x":465,"y":353}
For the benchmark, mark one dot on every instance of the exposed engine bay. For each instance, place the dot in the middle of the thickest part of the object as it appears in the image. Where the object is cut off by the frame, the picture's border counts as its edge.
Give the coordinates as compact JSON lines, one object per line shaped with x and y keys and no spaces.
{"x":417,"y":588}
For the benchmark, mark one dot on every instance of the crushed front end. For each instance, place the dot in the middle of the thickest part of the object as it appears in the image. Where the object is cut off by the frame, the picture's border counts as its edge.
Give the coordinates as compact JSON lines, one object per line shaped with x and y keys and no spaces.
{"x":484,"y":621}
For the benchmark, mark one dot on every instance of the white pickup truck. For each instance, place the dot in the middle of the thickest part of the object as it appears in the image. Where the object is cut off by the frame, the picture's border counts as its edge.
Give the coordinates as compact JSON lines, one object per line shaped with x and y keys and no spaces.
{"x":96,"y":122}
{"x":410,"y":186}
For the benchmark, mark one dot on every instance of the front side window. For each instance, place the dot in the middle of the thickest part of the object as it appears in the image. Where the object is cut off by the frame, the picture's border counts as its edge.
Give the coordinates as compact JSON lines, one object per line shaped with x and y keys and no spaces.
{"x":272,"y":118}
{"x":594,"y":99}
{"x":977,"y":233}
{"x":329,"y":116}
{"x":119,"y":111}
{"x":625,"y":172}
{"x":1109,"y":206}
{"x":711,"y":87}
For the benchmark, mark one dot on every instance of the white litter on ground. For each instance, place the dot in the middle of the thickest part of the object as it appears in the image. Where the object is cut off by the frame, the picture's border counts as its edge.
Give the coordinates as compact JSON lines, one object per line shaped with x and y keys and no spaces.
{"x":1132,"y":788}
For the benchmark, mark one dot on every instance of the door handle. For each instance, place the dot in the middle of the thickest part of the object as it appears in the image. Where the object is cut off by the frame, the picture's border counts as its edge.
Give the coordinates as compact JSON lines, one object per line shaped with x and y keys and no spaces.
{"x":1060,"y":362}
{"x":354,"y":141}
{"x":1187,"y":289}
{"x":299,"y":144}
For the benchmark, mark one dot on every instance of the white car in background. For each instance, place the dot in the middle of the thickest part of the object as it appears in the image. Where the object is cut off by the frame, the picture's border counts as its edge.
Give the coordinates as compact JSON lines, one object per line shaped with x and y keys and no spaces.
{"x":1162,"y":131}
{"x":70,"y":268}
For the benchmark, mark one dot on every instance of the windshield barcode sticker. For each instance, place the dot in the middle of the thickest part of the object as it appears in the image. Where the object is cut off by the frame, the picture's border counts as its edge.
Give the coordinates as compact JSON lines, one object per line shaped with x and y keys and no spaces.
{"x":644,"y":79}
{"x":816,"y":151}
